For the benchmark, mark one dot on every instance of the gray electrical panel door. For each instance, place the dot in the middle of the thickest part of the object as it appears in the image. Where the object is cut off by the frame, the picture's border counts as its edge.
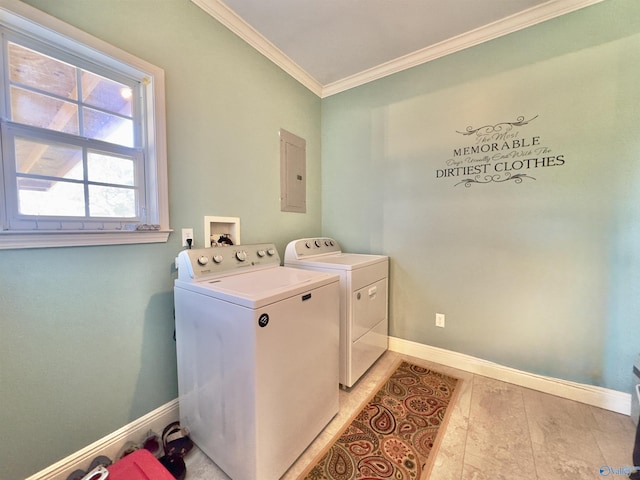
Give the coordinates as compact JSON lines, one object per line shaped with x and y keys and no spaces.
{"x":293,"y":174}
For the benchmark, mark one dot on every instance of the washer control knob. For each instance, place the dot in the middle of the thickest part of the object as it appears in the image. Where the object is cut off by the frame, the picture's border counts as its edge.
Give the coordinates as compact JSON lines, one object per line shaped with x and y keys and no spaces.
{"x":202,"y":260}
{"x":271,"y":252}
{"x":241,"y":255}
{"x":261,"y":253}
{"x":307,"y":244}
{"x":217,"y":258}
{"x":318,"y":244}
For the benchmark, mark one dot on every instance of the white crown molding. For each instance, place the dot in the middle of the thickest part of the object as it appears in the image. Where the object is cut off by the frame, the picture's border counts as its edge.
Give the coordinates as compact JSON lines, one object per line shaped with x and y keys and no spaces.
{"x":505,"y":26}
{"x":218,"y":10}
{"x":600,"y":397}
{"x":513,"y":23}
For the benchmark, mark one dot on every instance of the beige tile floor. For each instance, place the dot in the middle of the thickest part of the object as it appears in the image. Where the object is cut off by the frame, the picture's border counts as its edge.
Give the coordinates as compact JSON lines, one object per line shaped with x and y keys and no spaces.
{"x":496,"y":431}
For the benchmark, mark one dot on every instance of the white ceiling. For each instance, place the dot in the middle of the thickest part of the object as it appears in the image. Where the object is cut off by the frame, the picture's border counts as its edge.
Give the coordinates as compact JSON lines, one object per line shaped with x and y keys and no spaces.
{"x":333,"y":45}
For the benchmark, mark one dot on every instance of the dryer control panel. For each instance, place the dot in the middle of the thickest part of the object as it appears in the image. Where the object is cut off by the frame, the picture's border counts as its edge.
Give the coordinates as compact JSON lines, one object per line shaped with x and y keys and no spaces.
{"x":201,"y":263}
{"x":307,"y":247}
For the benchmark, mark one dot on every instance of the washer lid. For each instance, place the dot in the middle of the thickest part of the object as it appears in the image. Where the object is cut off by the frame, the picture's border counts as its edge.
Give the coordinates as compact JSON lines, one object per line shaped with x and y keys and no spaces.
{"x":258,"y":288}
{"x":340,"y":261}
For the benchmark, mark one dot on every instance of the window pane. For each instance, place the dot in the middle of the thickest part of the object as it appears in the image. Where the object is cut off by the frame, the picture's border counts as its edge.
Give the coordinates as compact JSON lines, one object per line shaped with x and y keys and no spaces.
{"x":39,"y":158}
{"x":42,"y":111}
{"x":106,"y":94}
{"x":80,"y":151}
{"x":106,"y":168}
{"x":47,"y":197}
{"x":112,"y":202}
{"x":110,"y":128}
{"x":36,"y":70}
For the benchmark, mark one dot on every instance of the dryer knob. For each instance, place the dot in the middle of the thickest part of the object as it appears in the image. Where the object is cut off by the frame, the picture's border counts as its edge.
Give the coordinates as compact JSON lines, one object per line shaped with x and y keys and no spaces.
{"x":203,"y":260}
{"x":307,"y":244}
{"x":261,"y":253}
{"x":217,"y":258}
{"x":271,"y":252}
{"x":241,"y":255}
{"x":318,"y":244}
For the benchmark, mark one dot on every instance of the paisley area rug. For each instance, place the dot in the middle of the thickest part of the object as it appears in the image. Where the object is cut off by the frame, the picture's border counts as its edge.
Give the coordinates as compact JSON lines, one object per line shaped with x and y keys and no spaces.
{"x":394,"y":433}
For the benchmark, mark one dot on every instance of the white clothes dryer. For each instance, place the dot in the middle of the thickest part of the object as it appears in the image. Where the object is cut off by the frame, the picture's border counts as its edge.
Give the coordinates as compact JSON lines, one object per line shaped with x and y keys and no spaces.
{"x":257,"y":351}
{"x":364,"y":325}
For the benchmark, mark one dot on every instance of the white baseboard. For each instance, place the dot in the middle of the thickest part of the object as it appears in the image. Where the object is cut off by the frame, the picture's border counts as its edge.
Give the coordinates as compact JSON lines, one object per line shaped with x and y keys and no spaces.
{"x":156,"y":420}
{"x":112,"y":444}
{"x":613,"y":400}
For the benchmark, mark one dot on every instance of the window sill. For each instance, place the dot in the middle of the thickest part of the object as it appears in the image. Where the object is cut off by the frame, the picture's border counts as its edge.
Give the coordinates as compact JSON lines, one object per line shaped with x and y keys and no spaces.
{"x":46,"y":239}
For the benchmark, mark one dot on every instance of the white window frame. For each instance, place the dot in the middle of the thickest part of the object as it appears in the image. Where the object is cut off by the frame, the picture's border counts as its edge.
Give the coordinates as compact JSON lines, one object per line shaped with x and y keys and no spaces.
{"x":29,"y":21}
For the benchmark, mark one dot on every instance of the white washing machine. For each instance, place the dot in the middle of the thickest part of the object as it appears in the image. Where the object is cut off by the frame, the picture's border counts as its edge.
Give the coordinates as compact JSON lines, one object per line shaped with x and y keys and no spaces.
{"x":257,"y":351}
{"x":364,"y":325}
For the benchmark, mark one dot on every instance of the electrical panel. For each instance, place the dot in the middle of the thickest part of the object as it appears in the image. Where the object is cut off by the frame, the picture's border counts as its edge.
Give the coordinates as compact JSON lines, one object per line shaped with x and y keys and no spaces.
{"x":293,"y":180}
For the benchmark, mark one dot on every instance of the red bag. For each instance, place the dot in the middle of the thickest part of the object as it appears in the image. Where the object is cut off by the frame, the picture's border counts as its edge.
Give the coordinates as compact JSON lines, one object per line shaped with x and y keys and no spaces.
{"x":139,"y":465}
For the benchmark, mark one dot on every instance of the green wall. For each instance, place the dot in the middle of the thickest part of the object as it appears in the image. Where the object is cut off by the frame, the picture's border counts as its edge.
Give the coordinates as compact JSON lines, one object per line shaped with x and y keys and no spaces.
{"x":86,"y":342}
{"x":539,"y":274}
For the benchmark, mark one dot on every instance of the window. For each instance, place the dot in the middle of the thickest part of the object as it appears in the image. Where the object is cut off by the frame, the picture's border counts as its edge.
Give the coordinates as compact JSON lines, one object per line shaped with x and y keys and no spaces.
{"x":82,"y":136}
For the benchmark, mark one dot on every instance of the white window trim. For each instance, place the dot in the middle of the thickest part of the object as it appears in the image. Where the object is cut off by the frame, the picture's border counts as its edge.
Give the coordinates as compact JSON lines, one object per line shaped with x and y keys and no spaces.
{"x":16,"y":13}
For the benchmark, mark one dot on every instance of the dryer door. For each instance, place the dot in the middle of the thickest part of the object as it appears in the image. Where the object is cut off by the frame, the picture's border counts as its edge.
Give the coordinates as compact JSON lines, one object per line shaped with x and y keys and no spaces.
{"x":369,"y":308}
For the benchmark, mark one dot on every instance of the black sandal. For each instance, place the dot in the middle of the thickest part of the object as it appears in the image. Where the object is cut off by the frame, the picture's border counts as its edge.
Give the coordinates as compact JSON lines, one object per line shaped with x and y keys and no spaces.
{"x":77,"y":475}
{"x":175,"y":450}
{"x":96,"y":473}
{"x":179,"y":446}
{"x":100,"y":461}
{"x":175,"y":465}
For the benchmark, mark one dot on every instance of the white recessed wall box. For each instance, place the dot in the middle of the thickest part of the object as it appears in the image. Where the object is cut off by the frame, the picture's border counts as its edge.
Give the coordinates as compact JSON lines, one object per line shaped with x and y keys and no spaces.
{"x":216,"y":228}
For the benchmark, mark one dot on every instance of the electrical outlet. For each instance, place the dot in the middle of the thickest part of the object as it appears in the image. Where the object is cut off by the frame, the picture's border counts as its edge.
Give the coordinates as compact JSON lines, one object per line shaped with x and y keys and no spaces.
{"x":186,"y":234}
{"x":440,"y":320}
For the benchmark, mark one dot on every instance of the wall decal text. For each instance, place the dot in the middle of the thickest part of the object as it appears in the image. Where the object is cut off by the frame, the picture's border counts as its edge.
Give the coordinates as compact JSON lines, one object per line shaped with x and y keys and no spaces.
{"x":499,"y":153}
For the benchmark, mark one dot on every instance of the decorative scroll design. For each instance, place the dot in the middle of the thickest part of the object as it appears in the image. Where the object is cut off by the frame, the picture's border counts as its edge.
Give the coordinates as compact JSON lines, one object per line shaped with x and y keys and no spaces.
{"x":498,"y":127}
{"x":499,"y":153}
{"x":498,"y":178}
